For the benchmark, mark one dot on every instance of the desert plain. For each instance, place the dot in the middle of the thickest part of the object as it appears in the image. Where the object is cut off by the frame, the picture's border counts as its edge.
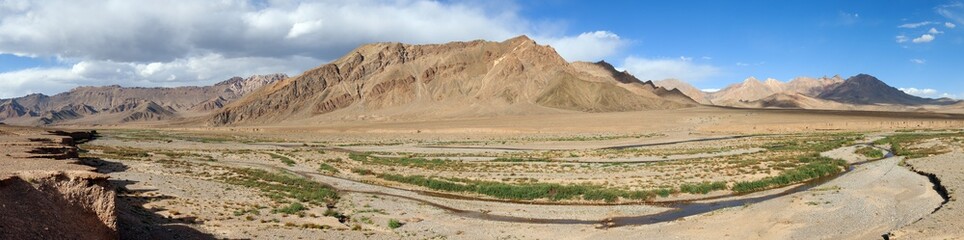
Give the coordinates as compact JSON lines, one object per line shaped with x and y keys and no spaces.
{"x":695,"y":173}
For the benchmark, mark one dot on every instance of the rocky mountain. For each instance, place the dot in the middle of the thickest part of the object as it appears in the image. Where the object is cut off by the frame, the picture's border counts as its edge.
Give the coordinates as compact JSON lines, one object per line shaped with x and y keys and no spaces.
{"x":690,"y":91}
{"x":752,"y":89}
{"x":116,"y":104}
{"x":458,"y":79}
{"x":866,"y":89}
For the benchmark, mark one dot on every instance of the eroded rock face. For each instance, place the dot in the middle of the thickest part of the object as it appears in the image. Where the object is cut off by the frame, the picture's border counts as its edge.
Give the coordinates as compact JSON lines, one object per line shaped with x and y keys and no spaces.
{"x":57,"y":206}
{"x":46,"y":194}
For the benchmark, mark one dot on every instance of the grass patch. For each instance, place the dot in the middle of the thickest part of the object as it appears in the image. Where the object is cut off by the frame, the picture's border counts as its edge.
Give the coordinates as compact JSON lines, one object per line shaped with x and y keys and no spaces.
{"x":281,"y":187}
{"x":325,"y":168}
{"x":815,"y":167}
{"x":291,"y":209}
{"x":284,"y":159}
{"x":526,"y":191}
{"x":702,"y":188}
{"x":870,"y":152}
{"x":900,"y":144}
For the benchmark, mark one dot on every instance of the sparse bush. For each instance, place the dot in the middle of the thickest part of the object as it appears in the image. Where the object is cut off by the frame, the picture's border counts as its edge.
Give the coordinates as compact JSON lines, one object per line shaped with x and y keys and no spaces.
{"x":394,"y":223}
{"x":291,"y":209}
{"x":702,"y":188}
{"x":870,"y":152}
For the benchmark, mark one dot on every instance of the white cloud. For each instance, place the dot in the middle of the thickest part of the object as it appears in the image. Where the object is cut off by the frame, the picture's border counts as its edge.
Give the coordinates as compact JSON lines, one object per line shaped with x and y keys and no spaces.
{"x":950,"y":25}
{"x":150,"y":43}
{"x":918,"y":61}
{"x":916,"y":25}
{"x":588,"y":46}
{"x":657,"y":69}
{"x":953,"y":11}
{"x":685,"y":58}
{"x":205,"y":70}
{"x":927,"y":92}
{"x":902,"y":39}
{"x":742,"y":64}
{"x":934,"y":31}
{"x":926,"y":38}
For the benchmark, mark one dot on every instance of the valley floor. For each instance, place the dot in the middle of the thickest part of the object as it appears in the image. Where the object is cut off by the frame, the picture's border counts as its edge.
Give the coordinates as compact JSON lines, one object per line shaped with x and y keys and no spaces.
{"x":706,"y":174}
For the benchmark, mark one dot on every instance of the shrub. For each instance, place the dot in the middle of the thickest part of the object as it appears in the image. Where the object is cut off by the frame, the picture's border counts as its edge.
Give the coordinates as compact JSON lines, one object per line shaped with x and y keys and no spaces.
{"x":291,"y":209}
{"x":815,"y":168}
{"x":702,"y":188}
{"x":284,"y":159}
{"x":870,"y":152}
{"x":325,"y":168}
{"x":394,"y":223}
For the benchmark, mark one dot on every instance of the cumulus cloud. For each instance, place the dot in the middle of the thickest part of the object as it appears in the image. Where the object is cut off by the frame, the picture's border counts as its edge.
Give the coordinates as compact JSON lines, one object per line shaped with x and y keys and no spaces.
{"x":927,"y":92}
{"x":923,"y":92}
{"x":155,"y":43}
{"x":916,"y":25}
{"x":950,"y":25}
{"x":926,"y":38}
{"x":918,"y":61}
{"x":589,"y":46}
{"x":658,"y":69}
{"x":205,"y":70}
{"x":934,"y":31}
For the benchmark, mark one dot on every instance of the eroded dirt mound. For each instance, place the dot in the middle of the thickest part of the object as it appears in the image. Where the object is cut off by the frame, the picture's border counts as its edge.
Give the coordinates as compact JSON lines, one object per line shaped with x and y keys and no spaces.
{"x":46,"y":194}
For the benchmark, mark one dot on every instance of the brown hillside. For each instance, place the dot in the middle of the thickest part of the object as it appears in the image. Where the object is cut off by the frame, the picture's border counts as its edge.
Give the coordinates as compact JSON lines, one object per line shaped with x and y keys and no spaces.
{"x":459,"y":79}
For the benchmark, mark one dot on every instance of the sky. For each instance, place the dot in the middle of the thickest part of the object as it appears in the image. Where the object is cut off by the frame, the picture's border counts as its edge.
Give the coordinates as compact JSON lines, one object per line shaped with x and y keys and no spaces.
{"x":52,"y":46}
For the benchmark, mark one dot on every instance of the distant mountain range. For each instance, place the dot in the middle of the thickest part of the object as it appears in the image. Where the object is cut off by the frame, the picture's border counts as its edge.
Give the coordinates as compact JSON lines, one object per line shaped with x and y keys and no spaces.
{"x":116,"y":104}
{"x":860,"y":92}
{"x":453,"y":80}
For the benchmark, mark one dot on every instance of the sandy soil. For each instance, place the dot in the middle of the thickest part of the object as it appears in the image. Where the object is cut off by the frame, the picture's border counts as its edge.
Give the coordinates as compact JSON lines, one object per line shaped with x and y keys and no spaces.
{"x":948,"y":221}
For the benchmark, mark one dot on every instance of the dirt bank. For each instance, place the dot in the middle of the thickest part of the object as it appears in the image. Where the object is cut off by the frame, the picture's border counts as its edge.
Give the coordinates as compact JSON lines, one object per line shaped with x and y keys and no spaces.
{"x":46,"y":194}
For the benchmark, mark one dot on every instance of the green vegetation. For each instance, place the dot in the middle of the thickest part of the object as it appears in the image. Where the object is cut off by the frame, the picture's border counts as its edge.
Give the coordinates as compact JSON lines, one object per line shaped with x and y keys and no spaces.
{"x":526,"y":191}
{"x":284,"y":159}
{"x":515,"y":159}
{"x":815,"y":167}
{"x":361,"y":171}
{"x":291,"y":209}
{"x":281,"y":187}
{"x":325,"y":168}
{"x":702,"y":188}
{"x":870,"y":152}
{"x":394,"y":223}
{"x":900,"y":143}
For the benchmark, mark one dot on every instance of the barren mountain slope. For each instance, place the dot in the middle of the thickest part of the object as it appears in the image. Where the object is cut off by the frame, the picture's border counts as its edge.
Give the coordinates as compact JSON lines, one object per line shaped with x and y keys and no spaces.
{"x":115,"y":104}
{"x":459,"y":79}
{"x":866,"y":89}
{"x":690,"y":91}
{"x":750,"y":89}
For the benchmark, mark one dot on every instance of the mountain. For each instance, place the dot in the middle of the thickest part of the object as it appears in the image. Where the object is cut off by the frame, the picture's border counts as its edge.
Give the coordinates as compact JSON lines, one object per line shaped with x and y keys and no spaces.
{"x":866,"y":89}
{"x":752,"y":89}
{"x":458,"y":79}
{"x":690,"y":91}
{"x":116,"y":104}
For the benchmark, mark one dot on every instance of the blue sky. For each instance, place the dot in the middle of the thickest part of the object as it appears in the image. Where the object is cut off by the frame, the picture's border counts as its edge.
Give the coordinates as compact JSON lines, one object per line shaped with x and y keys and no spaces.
{"x":52,"y":46}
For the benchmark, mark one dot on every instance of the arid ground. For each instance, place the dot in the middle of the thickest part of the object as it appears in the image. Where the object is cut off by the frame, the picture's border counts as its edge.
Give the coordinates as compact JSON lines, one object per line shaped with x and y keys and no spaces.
{"x":706,"y":173}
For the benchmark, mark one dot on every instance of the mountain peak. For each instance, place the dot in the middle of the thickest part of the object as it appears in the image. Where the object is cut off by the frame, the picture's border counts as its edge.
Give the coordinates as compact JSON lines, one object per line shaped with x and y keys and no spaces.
{"x":520,"y":39}
{"x":867,"y":89}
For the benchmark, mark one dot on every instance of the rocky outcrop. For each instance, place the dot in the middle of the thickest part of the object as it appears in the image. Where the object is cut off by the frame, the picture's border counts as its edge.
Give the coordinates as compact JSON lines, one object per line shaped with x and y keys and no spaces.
{"x":46,"y":194}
